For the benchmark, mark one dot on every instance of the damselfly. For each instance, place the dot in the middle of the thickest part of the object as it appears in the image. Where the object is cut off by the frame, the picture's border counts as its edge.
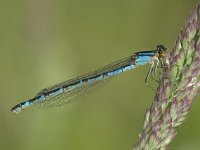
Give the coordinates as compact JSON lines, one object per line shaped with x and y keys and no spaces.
{"x":65,"y":92}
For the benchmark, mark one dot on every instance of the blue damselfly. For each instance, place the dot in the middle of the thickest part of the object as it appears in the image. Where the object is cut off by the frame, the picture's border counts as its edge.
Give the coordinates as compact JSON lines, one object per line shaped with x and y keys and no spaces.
{"x":65,"y":92}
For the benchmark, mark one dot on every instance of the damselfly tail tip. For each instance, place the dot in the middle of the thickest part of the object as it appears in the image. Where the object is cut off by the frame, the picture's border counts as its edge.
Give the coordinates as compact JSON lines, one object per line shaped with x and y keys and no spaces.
{"x":16,"y":109}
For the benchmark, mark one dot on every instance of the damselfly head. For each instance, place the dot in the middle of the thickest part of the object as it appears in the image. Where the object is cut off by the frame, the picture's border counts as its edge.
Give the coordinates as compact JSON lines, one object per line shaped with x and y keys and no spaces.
{"x":161,"y":50}
{"x":161,"y":47}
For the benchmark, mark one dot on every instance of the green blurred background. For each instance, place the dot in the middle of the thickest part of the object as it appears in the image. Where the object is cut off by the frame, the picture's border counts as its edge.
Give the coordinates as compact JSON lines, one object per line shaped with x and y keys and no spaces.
{"x":43,"y":42}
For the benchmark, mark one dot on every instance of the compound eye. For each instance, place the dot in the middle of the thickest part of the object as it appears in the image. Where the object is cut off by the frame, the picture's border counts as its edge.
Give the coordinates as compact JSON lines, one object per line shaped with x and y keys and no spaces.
{"x":161,"y":48}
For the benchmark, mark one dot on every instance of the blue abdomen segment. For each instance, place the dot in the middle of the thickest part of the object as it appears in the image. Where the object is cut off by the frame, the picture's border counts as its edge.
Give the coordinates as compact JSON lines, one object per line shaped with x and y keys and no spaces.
{"x":16,"y":109}
{"x":38,"y":99}
{"x":120,"y":70}
{"x":141,"y":60}
{"x":55,"y":92}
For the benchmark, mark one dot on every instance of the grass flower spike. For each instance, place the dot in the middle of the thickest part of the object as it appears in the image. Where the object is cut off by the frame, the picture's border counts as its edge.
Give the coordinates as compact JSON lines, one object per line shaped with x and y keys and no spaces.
{"x":178,"y":88}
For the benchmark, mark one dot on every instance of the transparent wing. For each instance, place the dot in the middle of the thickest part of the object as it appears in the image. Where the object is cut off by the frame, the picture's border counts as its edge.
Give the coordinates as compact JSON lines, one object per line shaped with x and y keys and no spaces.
{"x":76,"y":93}
{"x":72,"y":95}
{"x":71,"y":90}
{"x":112,"y":66}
